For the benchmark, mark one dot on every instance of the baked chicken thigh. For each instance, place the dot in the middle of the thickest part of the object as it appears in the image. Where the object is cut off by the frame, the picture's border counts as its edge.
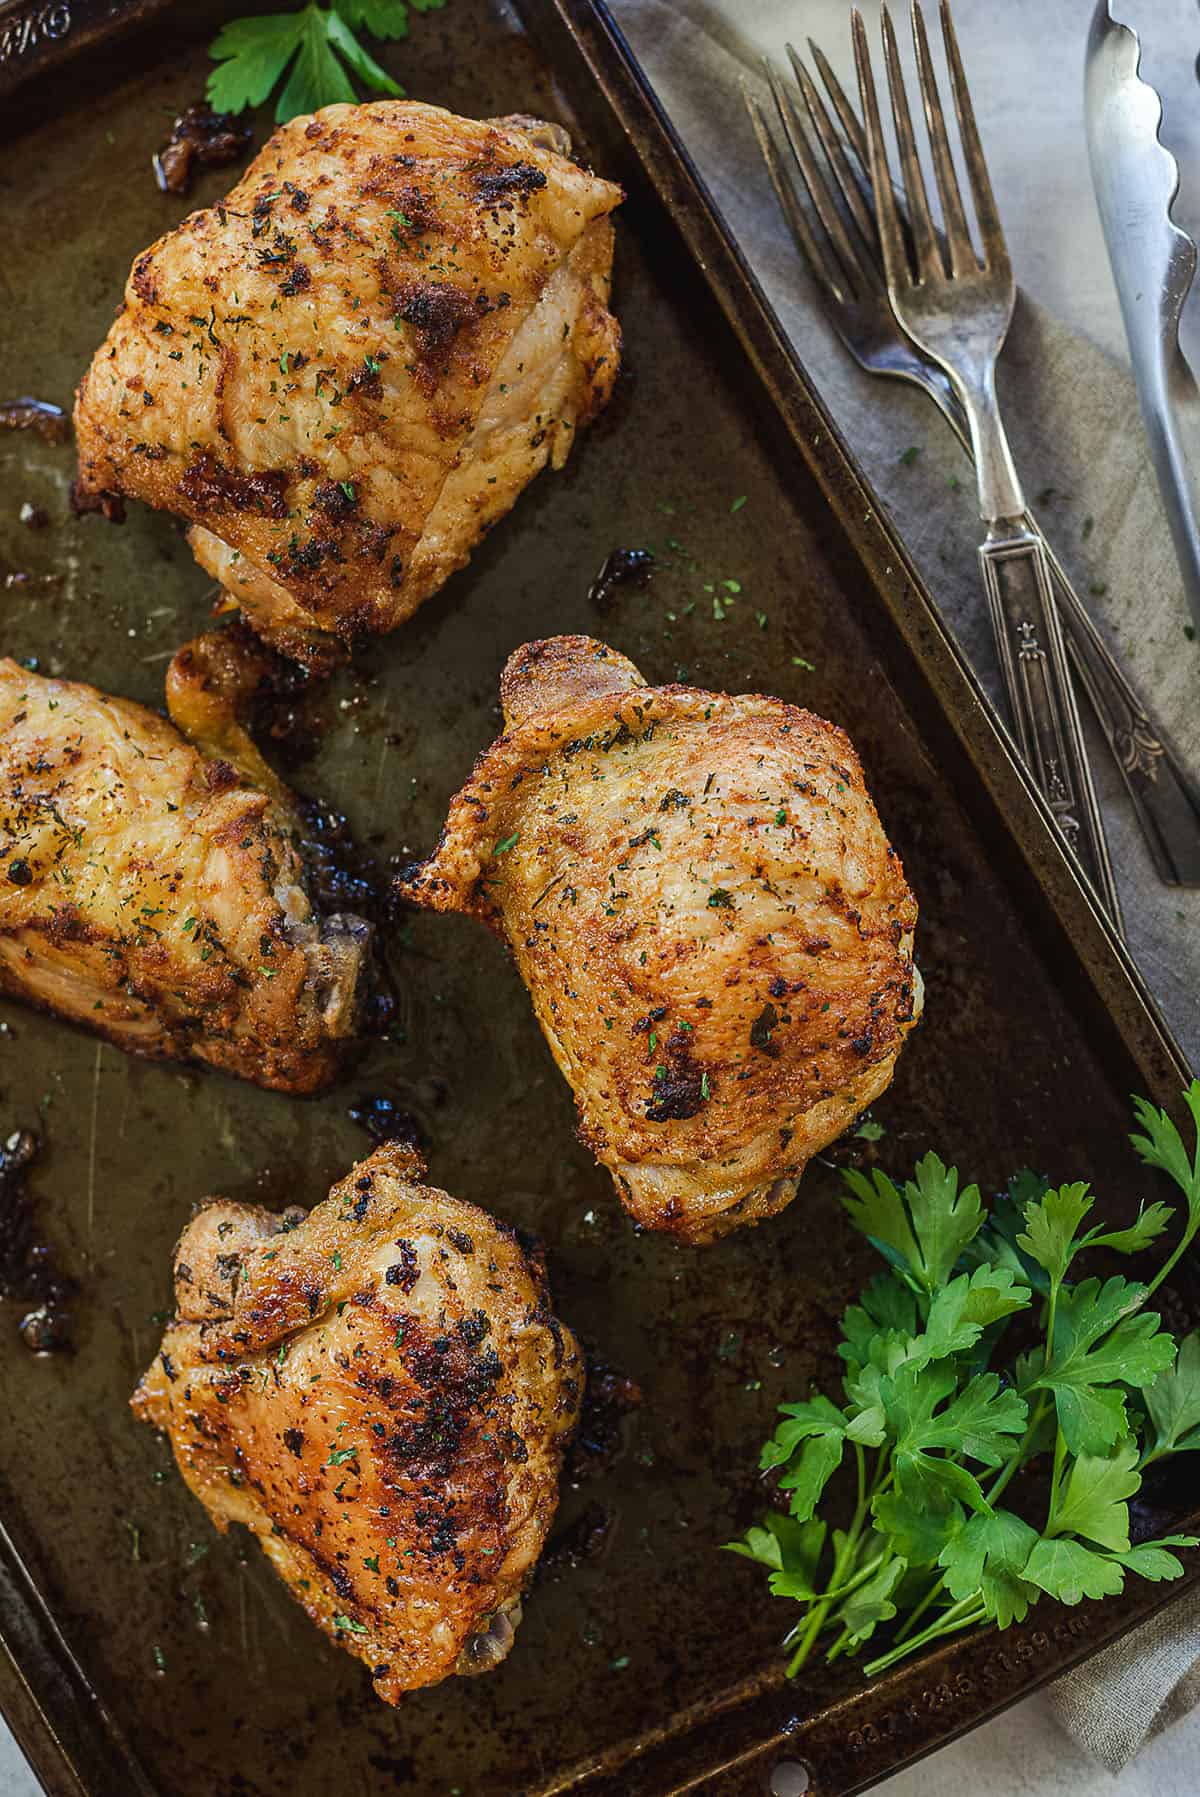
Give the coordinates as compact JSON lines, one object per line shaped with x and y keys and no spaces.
{"x":714,"y":930}
{"x":346,"y":372}
{"x":381,"y":1393}
{"x":154,"y":893}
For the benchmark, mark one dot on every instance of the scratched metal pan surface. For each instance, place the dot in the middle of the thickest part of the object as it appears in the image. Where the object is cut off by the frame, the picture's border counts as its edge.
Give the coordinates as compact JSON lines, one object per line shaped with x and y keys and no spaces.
{"x":141,"y":1652}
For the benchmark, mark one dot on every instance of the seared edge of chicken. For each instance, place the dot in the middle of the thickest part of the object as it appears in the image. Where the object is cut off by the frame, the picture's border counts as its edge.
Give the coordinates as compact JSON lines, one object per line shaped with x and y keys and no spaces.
{"x":211,"y":685}
{"x":382,"y":1394}
{"x":715,"y":932}
{"x":346,"y":372}
{"x":149,"y":891}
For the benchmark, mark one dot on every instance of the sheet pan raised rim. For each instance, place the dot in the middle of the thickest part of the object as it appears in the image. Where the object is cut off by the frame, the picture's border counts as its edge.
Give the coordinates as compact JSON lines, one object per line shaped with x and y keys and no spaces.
{"x":73,"y":1742}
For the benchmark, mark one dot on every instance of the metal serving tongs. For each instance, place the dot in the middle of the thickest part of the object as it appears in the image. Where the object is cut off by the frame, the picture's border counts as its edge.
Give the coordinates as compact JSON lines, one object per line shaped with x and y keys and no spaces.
{"x":1153,"y":262}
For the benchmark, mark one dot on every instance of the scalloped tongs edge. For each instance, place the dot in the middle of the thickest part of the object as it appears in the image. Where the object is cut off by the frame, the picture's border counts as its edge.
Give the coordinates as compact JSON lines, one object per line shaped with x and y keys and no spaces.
{"x":1136,"y":180}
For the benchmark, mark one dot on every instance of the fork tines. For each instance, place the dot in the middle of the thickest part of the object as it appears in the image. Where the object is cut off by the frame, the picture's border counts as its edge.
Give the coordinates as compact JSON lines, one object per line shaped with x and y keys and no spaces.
{"x":823,"y":165}
{"x":833,"y":256}
{"x":927,"y":262}
{"x":843,"y":252}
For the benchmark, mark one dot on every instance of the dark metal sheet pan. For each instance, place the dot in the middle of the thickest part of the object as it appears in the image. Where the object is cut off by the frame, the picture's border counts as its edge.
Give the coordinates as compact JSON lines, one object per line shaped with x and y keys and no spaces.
{"x":655,"y":1667}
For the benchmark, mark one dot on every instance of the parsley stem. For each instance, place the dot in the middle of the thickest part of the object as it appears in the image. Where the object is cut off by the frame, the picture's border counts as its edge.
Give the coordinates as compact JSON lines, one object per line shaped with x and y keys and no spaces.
{"x":812,"y":1628}
{"x":1000,"y":1483}
{"x":843,"y":1560}
{"x":962,"y":1615}
{"x":1051,"y":1315}
{"x":837,"y":1591}
{"x":921,"y":1608}
{"x":1060,"y":1454}
{"x":1168,"y":1266}
{"x":883,"y":1479}
{"x":1060,"y":1445}
{"x":859,"y":1578}
{"x":818,"y":1615}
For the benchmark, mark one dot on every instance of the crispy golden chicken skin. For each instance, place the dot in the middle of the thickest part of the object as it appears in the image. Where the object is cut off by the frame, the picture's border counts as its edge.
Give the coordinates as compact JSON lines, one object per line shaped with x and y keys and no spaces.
{"x":151,"y":893}
{"x":346,"y":372}
{"x":715,"y":933}
{"x":382,"y":1394}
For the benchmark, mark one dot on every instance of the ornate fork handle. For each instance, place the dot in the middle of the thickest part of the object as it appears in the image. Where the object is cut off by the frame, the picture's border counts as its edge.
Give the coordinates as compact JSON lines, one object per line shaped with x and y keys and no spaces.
{"x":1165,"y":799}
{"x":1033,"y":657}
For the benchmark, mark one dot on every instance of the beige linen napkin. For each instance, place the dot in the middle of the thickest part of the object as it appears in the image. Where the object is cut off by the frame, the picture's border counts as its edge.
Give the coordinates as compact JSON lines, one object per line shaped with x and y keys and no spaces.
{"x":1073,"y":418}
{"x":1125,"y":1694}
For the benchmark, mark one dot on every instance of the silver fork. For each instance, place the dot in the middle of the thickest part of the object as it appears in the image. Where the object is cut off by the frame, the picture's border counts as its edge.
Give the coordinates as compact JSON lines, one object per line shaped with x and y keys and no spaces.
{"x":851,"y":283}
{"x":959,"y":315}
{"x":960,"y":320}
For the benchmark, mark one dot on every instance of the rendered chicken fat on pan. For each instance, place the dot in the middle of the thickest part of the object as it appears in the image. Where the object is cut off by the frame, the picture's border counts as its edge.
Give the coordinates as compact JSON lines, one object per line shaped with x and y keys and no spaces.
{"x":715,"y":932}
{"x":345,"y":373}
{"x":382,"y":1394}
{"x":153,"y":892}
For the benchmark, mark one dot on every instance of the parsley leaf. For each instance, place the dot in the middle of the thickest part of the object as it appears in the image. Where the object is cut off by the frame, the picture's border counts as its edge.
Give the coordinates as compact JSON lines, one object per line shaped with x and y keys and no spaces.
{"x":818,"y":1417}
{"x":1051,"y":1225}
{"x":790,"y":1549}
{"x":385,"y":18}
{"x":988,"y":1555}
{"x":1173,"y":1404}
{"x":1070,"y":1572}
{"x":1150,"y":1559}
{"x":1098,"y":1342}
{"x":341,"y":39}
{"x":1093,"y":1500}
{"x":313,"y":51}
{"x":863,"y":1610}
{"x":923,"y":1230}
{"x":811,"y":1470}
{"x":974,"y":1423}
{"x":1162,"y":1146}
{"x":1152,"y":1221}
{"x":885,"y":1309}
{"x":819,"y":1430}
{"x":960,"y":1313}
{"x":253,"y":53}
{"x":1052,"y":1236}
{"x":996,"y":1243}
{"x":919,"y":1515}
{"x":930,"y":1489}
{"x":382,"y":18}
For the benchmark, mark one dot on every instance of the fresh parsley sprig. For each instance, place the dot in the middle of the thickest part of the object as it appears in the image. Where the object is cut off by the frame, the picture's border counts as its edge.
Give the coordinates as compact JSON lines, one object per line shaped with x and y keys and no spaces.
{"x":936,"y":1422}
{"x":315,"y":48}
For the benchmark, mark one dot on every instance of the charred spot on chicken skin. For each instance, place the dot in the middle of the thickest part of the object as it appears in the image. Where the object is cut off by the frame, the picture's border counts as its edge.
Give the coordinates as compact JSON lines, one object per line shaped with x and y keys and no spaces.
{"x":390,"y":1386}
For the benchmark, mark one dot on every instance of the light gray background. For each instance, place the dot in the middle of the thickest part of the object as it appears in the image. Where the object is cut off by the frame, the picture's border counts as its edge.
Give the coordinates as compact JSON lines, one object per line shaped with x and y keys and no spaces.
{"x":1024,"y":58}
